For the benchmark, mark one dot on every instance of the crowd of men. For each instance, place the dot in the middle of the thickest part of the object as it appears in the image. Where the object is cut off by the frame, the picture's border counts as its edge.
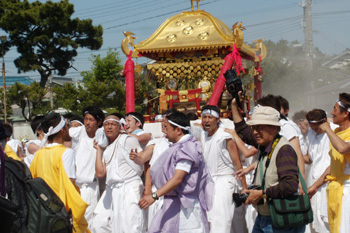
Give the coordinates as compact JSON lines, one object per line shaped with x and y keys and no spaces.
{"x":115,"y":177}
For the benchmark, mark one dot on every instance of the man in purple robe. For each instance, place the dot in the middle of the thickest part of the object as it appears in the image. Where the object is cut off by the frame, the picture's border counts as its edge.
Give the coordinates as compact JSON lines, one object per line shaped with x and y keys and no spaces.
{"x":181,"y":176}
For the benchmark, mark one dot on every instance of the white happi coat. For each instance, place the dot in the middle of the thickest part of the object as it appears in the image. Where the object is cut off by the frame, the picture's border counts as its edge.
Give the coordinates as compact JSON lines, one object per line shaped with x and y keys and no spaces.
{"x":221,"y":168}
{"x":117,"y":210}
{"x":85,"y":158}
{"x":318,"y":150}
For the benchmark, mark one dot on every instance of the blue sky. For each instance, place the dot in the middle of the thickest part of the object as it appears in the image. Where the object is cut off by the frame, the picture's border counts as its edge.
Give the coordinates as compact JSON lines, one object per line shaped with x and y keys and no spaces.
{"x":268,"y":19}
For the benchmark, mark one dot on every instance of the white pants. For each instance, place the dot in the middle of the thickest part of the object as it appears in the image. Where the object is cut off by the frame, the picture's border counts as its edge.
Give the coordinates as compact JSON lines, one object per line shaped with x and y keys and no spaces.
{"x":152,"y":209}
{"x":345,"y":208}
{"x":319,"y":224}
{"x":128,"y":217}
{"x":221,"y":215}
{"x":90,"y":194}
{"x":103,"y":214}
{"x":118,"y":210}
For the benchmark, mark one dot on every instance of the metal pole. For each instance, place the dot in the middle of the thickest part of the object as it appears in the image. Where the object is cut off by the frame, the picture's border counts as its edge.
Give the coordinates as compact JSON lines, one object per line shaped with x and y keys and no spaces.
{"x":3,"y":38}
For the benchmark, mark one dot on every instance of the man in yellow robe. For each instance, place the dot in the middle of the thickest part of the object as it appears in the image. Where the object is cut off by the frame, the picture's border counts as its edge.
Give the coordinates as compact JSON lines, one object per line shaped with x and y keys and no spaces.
{"x":56,"y":165}
{"x":338,"y":173}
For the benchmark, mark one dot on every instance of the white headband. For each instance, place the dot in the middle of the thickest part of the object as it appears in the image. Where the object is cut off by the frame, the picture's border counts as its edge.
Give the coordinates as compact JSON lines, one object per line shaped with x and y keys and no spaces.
{"x":317,"y":122}
{"x":77,"y":122}
{"x":137,"y":119}
{"x":188,"y":128}
{"x":53,"y":131}
{"x":158,"y":117}
{"x":212,"y":112}
{"x":341,"y":105}
{"x":121,"y":121}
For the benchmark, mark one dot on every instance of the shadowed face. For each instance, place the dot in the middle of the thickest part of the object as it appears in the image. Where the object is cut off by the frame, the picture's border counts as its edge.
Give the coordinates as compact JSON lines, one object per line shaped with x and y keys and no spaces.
{"x":91,"y":124}
{"x":264,"y":134}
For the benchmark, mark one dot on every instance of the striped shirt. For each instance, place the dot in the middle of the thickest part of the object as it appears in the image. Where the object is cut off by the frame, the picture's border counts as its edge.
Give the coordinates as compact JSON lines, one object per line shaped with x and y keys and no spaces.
{"x":286,"y":162}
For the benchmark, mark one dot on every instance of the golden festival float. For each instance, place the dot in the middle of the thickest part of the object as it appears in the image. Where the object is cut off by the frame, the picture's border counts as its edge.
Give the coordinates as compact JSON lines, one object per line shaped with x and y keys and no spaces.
{"x":191,"y":53}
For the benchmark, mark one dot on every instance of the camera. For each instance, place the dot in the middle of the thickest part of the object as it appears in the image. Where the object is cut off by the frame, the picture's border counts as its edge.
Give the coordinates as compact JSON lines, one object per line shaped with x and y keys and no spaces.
{"x":233,"y":84}
{"x":240,"y":199}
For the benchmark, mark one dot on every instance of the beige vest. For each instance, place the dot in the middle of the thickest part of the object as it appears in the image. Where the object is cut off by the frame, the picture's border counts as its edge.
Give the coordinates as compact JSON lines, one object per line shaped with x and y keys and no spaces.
{"x":271,"y":178}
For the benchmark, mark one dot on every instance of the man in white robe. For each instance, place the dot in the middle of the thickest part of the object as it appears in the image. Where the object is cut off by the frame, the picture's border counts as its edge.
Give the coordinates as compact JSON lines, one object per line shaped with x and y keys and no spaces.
{"x":85,"y":156}
{"x":118,"y":210}
{"x":319,"y":159}
{"x":222,"y":158}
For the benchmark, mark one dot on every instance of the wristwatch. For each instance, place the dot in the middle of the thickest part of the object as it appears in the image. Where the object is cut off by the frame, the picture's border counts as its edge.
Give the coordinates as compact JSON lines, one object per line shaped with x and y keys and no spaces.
{"x":155,"y":196}
{"x":264,"y":194}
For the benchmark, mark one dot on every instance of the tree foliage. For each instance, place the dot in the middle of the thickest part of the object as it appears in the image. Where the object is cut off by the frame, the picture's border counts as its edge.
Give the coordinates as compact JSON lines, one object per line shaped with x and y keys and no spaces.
{"x":102,"y":86}
{"x":45,"y":35}
{"x":29,"y":97}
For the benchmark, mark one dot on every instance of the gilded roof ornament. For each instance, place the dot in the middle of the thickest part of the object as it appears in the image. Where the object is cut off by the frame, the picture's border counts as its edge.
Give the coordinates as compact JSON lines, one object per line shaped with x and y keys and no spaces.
{"x":197,"y":4}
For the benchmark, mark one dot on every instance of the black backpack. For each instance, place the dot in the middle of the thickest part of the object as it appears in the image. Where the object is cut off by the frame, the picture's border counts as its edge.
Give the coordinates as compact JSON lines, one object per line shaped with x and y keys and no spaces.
{"x":46,"y":212}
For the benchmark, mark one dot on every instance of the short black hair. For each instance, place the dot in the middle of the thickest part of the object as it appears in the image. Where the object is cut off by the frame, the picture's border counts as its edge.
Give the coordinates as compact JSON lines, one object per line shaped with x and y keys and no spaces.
{"x":179,"y":118}
{"x":283,"y":102}
{"x":316,"y":115}
{"x":9,"y":128}
{"x":192,"y":116}
{"x":36,"y":123}
{"x":270,"y":101}
{"x":345,"y":100}
{"x":96,"y":112}
{"x":52,"y":119}
{"x":138,"y":116}
{"x":75,"y":117}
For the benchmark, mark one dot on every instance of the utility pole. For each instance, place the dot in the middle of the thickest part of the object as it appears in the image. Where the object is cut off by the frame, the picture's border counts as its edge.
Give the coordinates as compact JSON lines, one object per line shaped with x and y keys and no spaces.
{"x":3,"y":39}
{"x":309,"y":44}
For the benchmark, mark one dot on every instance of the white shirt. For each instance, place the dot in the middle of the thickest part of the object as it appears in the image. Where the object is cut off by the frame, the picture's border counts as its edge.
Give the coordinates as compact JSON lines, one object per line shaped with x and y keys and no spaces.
{"x":85,"y":154}
{"x":215,"y":153}
{"x":119,"y":166}
{"x":160,"y":145}
{"x":318,"y":152}
{"x":68,"y":160}
{"x":29,"y":157}
{"x":14,"y":144}
{"x":289,"y":129}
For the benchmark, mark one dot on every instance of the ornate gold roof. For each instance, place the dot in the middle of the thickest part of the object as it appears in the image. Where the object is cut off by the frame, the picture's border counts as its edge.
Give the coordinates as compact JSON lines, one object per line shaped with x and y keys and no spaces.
{"x":192,"y":31}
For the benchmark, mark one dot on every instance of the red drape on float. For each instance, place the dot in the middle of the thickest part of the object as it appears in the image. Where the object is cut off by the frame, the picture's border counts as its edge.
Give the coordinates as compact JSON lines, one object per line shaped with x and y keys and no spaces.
{"x":130,"y":84}
{"x":234,"y":56}
{"x":257,"y":83}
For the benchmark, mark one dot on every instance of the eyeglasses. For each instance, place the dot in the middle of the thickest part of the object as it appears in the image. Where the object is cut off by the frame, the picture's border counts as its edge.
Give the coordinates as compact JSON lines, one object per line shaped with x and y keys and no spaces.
{"x":258,"y":127}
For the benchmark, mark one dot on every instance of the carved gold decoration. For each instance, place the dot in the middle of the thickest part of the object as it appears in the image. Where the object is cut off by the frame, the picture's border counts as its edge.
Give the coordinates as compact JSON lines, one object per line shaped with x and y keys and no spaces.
{"x":171,"y":38}
{"x":128,"y":40}
{"x":252,"y":72}
{"x":199,"y":22}
{"x":138,"y":69}
{"x":203,"y":35}
{"x":180,"y":23}
{"x":251,"y":86}
{"x":187,"y":30}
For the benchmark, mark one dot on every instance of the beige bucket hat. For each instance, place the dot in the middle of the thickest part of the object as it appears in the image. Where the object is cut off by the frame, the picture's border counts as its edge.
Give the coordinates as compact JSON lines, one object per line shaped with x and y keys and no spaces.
{"x":265,"y":116}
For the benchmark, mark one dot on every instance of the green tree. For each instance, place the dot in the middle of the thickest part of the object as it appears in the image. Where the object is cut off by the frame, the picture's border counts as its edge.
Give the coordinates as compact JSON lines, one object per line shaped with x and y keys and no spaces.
{"x":29,"y":97}
{"x":69,"y":97}
{"x":103,"y":84}
{"x":46,"y":36}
